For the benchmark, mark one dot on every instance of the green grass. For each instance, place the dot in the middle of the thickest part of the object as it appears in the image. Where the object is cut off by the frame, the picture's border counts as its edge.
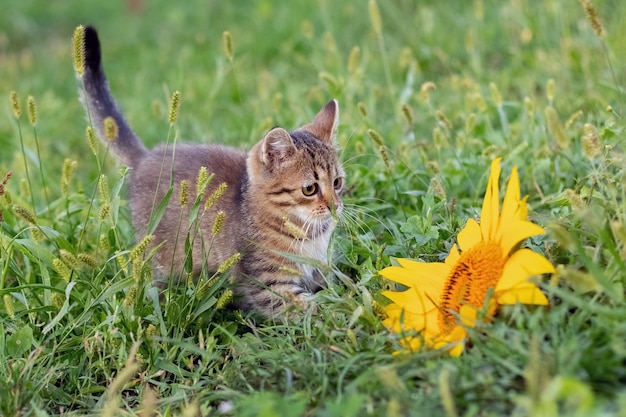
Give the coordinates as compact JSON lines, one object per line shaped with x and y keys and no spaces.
{"x":95,"y":344}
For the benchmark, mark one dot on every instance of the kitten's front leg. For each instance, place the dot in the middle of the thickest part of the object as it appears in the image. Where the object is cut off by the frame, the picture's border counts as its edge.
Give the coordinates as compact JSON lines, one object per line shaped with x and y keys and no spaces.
{"x":275,"y":293}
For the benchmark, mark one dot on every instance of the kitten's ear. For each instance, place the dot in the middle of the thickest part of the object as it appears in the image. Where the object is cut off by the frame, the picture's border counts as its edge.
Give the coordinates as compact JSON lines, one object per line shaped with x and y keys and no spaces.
{"x":277,"y":146}
{"x":325,"y":123}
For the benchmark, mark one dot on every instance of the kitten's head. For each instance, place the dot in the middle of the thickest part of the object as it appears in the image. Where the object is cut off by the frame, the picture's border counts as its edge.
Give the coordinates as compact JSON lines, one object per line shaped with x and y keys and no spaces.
{"x":298,"y":175}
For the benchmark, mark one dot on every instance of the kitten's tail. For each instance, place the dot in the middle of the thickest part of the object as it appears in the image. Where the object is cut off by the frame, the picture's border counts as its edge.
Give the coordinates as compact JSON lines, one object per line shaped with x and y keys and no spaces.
{"x":100,"y":104}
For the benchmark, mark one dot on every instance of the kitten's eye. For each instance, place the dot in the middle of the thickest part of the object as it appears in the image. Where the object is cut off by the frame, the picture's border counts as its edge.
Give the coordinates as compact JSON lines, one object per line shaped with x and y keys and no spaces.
{"x":338,"y":183}
{"x":309,"y":190}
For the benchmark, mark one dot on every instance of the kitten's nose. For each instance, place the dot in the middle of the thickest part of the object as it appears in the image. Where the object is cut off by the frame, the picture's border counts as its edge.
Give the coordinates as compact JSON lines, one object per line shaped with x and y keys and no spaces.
{"x":330,"y":203}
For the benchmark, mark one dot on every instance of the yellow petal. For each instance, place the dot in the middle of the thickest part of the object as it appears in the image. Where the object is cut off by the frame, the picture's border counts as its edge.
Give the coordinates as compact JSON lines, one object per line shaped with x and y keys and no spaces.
{"x":527,"y":293}
{"x":399,"y":320}
{"x":410,"y":300}
{"x":470,"y":235}
{"x":452,"y":258}
{"x":434,"y":273}
{"x":517,"y":231}
{"x":412,"y":344}
{"x":522,"y":209}
{"x":456,"y":350}
{"x":452,"y":341}
{"x":511,"y":201}
{"x":521,"y":265}
{"x":468,"y":314}
{"x":426,"y":277}
{"x":393,"y":319}
{"x":491,"y":203}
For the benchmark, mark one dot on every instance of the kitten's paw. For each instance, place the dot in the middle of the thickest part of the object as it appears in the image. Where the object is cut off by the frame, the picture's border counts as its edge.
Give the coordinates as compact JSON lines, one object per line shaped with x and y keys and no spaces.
{"x":303,"y":301}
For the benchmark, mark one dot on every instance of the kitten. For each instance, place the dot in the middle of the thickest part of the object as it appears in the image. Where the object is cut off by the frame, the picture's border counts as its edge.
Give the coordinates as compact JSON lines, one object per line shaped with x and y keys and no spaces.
{"x":281,"y":197}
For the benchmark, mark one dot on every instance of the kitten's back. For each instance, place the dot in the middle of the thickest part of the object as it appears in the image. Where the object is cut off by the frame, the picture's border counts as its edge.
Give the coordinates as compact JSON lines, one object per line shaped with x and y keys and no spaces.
{"x":226,"y":166}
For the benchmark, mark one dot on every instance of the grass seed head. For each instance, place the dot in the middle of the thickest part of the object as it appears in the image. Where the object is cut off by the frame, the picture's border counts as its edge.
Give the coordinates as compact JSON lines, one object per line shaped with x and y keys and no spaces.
{"x":329,"y":79}
{"x":575,"y":200}
{"x":426,"y":89}
{"x":152,"y":330}
{"x":104,"y":242}
{"x":437,"y":188}
{"x":225,"y":299}
{"x":202,"y":181}
{"x":556,"y":128}
{"x":229,"y":263}
{"x":78,"y":49}
{"x":8,"y":305}
{"x":354,"y":60}
{"x":619,"y":234}
{"x":215,"y":195}
{"x":440,"y":139}
{"x":24,"y":214}
{"x":443,"y":119}
{"x":57,"y":299}
{"x":479,"y":102}
{"x":4,"y":181}
{"x":111,"y":130}
{"x":149,"y":403}
{"x":184,"y":193}
{"x":67,"y":172}
{"x":375,"y":19}
{"x":591,"y":143}
{"x":31,"y":109}
{"x":87,"y":260}
{"x":131,"y":296}
{"x":376,"y":137}
{"x":470,"y":123}
{"x":227,"y":45}
{"x":379,"y":256}
{"x":203,"y":288}
{"x":37,"y":234}
{"x":550,"y":89}
{"x":407,"y":112}
{"x":307,"y":29}
{"x":24,"y":188}
{"x":3,"y":184}
{"x":68,"y":258}
{"x":362,"y":109}
{"x":295,"y":231}
{"x":61,"y":268}
{"x":103,"y":188}
{"x":573,"y":119}
{"x":174,"y":107}
{"x":91,"y":140}
{"x":384,"y":154}
{"x":15,"y":104}
{"x":496,"y":97}
{"x":433,"y":166}
{"x":138,"y":251}
{"x":218,"y":223}
{"x":592,"y":16}
{"x":105,"y":209}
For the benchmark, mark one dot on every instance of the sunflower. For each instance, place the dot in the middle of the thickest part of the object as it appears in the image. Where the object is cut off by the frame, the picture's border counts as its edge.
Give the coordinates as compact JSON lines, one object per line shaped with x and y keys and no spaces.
{"x":485,"y":269}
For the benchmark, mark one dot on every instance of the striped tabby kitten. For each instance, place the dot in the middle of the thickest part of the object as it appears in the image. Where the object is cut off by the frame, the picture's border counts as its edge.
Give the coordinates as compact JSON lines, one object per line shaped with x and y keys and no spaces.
{"x":281,"y":198}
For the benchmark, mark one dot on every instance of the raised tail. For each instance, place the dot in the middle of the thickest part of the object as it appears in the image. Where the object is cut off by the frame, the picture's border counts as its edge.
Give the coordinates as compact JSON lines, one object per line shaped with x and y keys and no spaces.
{"x":100,"y":104}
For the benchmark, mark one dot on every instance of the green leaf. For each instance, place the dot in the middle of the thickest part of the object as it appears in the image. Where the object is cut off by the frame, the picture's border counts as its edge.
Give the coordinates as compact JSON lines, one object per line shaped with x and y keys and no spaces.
{"x":64,"y":309}
{"x":418,"y":228}
{"x":157,"y":215}
{"x":19,"y":342}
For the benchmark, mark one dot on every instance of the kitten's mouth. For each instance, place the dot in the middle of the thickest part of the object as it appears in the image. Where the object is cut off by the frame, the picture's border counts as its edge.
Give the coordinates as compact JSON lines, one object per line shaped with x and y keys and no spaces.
{"x":320,"y":227}
{"x":310,"y":229}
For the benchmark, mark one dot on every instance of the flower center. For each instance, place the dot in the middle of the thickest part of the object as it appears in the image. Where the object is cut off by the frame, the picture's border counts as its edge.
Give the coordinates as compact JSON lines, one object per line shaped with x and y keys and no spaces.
{"x":477,"y":270}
